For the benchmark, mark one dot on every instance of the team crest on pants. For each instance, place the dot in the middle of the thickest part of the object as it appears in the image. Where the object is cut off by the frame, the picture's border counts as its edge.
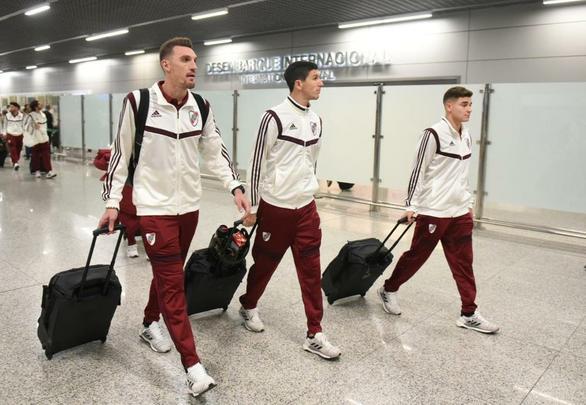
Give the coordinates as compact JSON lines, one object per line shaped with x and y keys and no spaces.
{"x":266,"y":236}
{"x":432,"y":228}
{"x":151,"y":238}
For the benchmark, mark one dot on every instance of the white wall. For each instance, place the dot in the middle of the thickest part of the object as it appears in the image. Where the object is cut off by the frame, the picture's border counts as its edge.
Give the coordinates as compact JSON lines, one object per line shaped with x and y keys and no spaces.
{"x":522,"y":43}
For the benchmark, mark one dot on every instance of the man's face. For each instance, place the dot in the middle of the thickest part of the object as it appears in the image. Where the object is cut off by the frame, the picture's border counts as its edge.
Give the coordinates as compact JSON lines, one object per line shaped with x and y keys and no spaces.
{"x":311,"y":86}
{"x":460,"y":108}
{"x":180,"y":67}
{"x":13,"y":109}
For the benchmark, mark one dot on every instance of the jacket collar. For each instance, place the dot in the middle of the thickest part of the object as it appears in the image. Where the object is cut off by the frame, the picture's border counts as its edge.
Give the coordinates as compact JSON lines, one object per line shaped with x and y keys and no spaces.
{"x":162,"y":98}
{"x":296,"y":105}
{"x":453,"y":131}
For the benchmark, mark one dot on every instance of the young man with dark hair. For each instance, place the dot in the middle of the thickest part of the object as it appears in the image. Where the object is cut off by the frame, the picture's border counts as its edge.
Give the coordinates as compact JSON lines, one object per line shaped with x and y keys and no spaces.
{"x":282,"y":183}
{"x":439,"y":197}
{"x":13,"y":129}
{"x":167,"y":192}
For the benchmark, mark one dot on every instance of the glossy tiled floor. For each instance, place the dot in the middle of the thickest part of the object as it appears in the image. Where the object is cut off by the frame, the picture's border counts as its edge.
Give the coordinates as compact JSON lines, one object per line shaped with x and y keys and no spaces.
{"x":536,"y":294}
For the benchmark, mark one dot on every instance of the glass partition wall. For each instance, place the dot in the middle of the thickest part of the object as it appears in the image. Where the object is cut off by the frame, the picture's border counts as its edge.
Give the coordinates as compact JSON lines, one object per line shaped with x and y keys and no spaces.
{"x":534,"y":142}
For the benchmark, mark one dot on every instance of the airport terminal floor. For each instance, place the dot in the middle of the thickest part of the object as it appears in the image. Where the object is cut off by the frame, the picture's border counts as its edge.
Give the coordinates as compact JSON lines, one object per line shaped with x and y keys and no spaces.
{"x":534,"y":292}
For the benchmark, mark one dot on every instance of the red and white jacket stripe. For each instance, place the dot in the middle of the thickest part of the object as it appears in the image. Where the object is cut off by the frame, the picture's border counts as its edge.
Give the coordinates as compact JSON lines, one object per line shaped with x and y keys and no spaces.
{"x":439,"y":183}
{"x":282,"y":167}
{"x":167,"y":179}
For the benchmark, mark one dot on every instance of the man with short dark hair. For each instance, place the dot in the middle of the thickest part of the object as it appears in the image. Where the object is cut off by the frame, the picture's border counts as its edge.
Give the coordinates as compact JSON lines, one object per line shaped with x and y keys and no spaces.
{"x":13,"y":128}
{"x":167,"y":191}
{"x":440,"y":199}
{"x":282,"y":183}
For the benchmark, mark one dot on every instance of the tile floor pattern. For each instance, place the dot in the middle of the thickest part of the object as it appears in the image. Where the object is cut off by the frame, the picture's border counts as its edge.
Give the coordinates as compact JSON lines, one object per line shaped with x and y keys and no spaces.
{"x":536,"y":294}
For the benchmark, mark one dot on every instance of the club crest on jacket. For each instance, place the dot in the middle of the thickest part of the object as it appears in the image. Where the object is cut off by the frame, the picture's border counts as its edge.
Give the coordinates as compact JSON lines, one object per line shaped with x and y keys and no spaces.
{"x":193,"y":117}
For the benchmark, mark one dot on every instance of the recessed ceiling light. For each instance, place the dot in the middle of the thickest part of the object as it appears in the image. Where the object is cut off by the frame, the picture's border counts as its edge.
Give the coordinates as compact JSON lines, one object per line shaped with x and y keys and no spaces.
{"x":137,"y":52}
{"x":31,"y":67}
{"x":554,"y":2}
{"x":107,"y":34}
{"x":389,"y":20}
{"x":38,"y":9}
{"x":88,"y":59}
{"x":42,"y":48}
{"x":210,"y":14}
{"x":217,"y":41}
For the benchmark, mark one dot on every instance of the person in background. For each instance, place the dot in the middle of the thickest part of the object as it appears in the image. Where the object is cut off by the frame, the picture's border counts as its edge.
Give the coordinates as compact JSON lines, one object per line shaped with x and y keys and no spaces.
{"x":26,"y":110}
{"x":13,"y":131}
{"x":50,"y":120}
{"x":41,"y":151}
{"x":127,"y":214}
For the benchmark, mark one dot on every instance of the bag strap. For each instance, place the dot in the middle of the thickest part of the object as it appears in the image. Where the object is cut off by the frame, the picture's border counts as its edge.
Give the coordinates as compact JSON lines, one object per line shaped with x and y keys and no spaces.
{"x":240,"y":222}
{"x":139,"y":124}
{"x":204,"y":108}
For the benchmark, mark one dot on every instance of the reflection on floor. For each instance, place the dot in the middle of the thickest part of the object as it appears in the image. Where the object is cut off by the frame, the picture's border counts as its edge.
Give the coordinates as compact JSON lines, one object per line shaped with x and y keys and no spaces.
{"x":535,"y":293}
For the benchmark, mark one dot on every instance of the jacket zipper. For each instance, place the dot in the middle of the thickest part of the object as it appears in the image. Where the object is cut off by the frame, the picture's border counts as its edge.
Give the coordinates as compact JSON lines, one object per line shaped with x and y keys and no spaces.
{"x":178,"y":173}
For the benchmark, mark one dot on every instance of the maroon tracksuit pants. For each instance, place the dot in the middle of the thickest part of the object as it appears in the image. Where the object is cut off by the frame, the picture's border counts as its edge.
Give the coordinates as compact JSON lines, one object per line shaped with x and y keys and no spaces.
{"x":278,"y":230}
{"x":127,"y":215}
{"x":41,"y":157}
{"x":15,"y":146}
{"x":455,"y":235}
{"x":166,"y":240}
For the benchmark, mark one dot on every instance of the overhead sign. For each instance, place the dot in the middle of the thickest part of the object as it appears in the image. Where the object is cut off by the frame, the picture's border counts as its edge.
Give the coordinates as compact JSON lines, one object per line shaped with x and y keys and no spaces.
{"x":269,"y":69}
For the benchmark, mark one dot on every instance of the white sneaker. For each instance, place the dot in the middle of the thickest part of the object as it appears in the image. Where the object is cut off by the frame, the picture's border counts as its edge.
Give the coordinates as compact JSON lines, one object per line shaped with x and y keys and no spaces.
{"x":38,"y":174}
{"x":476,"y":322}
{"x":319,"y":345}
{"x":50,"y":175}
{"x":252,"y":320}
{"x":153,"y":335}
{"x":16,"y":167}
{"x":132,"y":251}
{"x":390,"y":301}
{"x":198,"y":380}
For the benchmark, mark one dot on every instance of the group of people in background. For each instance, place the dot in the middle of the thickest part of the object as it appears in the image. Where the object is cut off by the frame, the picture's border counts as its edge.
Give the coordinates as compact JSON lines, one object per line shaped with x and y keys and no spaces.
{"x":29,"y":128}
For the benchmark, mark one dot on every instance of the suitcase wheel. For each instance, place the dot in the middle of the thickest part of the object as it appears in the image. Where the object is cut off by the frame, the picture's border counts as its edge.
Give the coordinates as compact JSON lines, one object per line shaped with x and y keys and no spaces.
{"x":331,"y":301}
{"x":48,"y":354}
{"x":103,"y":340}
{"x":225,"y":308}
{"x":362,"y":295}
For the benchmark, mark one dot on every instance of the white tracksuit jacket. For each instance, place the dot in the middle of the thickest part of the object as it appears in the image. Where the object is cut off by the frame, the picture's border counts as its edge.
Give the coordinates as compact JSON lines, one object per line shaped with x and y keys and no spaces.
{"x":439,"y":180}
{"x":13,"y":125}
{"x":282,"y":167}
{"x":167,"y":178}
{"x":37,"y":135}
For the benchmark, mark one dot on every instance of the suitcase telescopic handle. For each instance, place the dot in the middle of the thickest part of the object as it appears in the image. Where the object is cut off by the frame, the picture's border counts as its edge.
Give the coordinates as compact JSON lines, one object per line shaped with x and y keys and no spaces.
{"x":402,"y":220}
{"x":105,"y":229}
{"x":96,"y":233}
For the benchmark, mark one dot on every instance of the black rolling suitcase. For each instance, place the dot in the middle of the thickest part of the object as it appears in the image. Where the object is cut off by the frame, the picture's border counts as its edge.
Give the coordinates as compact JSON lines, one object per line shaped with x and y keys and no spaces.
{"x":357,"y":266}
{"x":213,"y":274}
{"x":78,"y":304}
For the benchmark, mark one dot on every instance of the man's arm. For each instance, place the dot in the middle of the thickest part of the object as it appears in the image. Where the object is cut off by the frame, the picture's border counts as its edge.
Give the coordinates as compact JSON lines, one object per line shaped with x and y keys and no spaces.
{"x":266,"y":136}
{"x":216,"y":158}
{"x":426,"y":148}
{"x":121,"y":152}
